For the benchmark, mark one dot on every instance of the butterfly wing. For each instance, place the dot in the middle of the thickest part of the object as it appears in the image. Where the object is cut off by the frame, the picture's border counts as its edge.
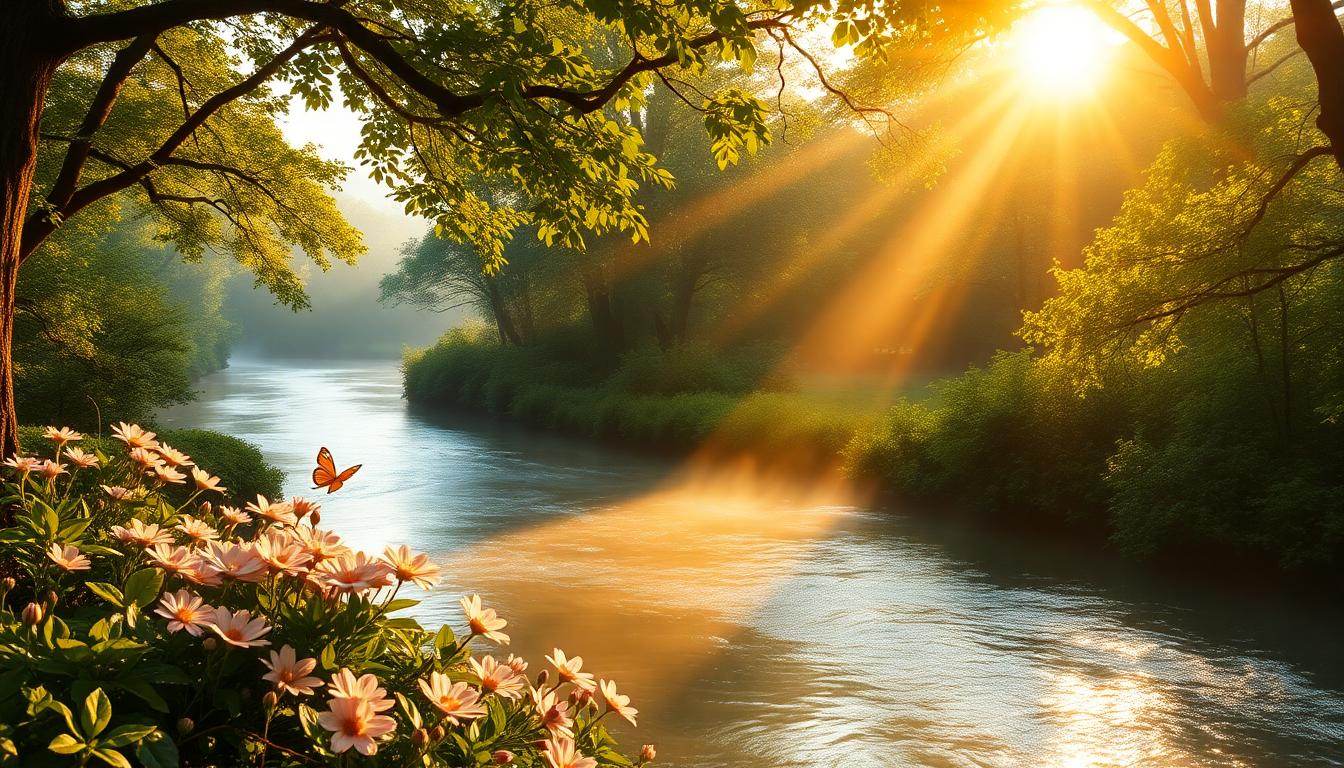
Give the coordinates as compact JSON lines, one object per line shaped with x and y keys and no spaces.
{"x":339,"y":480}
{"x":325,"y":473}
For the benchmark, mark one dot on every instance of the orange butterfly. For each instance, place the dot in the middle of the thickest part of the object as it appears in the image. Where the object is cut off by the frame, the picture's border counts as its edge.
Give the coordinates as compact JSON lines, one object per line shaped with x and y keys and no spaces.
{"x":326,"y":476}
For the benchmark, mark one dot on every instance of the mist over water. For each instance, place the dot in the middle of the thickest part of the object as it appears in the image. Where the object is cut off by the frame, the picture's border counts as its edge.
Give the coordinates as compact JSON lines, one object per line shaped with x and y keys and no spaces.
{"x":760,"y":625}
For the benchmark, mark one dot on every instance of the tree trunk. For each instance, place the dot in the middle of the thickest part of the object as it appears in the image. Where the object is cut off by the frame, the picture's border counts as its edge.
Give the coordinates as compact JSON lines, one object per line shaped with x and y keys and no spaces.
{"x":601,"y":309}
{"x":508,"y":333}
{"x":26,"y":68}
{"x":1226,"y":46}
{"x":1320,"y":35}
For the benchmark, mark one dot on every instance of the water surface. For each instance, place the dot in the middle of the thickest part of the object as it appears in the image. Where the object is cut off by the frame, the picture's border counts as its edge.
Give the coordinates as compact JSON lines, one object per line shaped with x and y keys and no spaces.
{"x":760,"y":625}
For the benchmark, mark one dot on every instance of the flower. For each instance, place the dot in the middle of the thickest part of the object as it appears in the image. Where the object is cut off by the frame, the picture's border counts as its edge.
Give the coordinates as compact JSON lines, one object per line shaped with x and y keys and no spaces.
{"x":553,"y":713}
{"x":483,"y":621}
{"x":169,"y":475}
{"x":184,"y":610}
{"x":51,"y":469}
{"x":33,"y":614}
{"x":197,"y":530}
{"x":502,"y":756}
{"x":173,"y":457}
{"x":496,"y":678}
{"x":319,"y":543}
{"x":516,"y":663}
{"x":24,"y":464}
{"x":353,"y":723}
{"x":118,"y":493}
{"x":345,"y":684}
{"x":173,"y":559}
{"x":289,"y":673}
{"x":457,"y":701}
{"x":206,"y":481}
{"x":352,"y":573}
{"x":303,"y":507}
{"x":416,"y":569}
{"x":234,"y":515}
{"x":279,"y":512}
{"x":647,"y":754}
{"x":240,"y":628}
{"x":146,"y":458}
{"x":68,"y":557}
{"x":133,"y":436}
{"x":281,"y":553}
{"x":616,"y":702}
{"x":234,"y":561}
{"x":81,"y":458}
{"x":568,"y":670}
{"x":561,"y":752}
{"x":62,"y":436}
{"x":137,"y":532}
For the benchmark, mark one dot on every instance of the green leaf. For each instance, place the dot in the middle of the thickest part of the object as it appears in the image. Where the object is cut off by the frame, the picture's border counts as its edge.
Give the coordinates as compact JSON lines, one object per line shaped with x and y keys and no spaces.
{"x":144,"y":691}
{"x":125,"y":734}
{"x":157,"y":751}
{"x":112,"y":757}
{"x":65,"y":744}
{"x":143,"y":586}
{"x":95,"y":714}
{"x":106,"y":591}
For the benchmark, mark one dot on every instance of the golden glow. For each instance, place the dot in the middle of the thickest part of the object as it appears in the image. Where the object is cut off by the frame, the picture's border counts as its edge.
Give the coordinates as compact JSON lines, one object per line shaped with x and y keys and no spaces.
{"x":1062,"y":50}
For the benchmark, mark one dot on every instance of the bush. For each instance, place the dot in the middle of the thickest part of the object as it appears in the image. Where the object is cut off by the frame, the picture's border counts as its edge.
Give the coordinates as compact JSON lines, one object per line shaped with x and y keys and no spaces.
{"x":137,"y":628}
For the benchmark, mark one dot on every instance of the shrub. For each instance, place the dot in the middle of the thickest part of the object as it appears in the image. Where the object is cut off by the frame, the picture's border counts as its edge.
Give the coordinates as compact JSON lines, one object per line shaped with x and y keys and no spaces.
{"x":137,"y":628}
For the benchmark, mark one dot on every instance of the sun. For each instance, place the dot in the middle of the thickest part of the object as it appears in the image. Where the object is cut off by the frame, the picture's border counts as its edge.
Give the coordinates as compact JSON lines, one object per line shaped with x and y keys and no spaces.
{"x":1062,"y":50}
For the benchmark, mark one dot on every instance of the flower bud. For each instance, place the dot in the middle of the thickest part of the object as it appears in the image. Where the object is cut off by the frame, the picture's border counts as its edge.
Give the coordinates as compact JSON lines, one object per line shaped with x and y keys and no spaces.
{"x":52,"y":599}
{"x":648,"y":753}
{"x":185,"y":725}
{"x":206,"y":508}
{"x":33,"y":614}
{"x":314,"y":518}
{"x":420,"y":737}
{"x":542,"y":677}
{"x":209,"y":644}
{"x":270,"y":700}
{"x":437,"y":733}
{"x":9,"y":583}
{"x":502,"y":757}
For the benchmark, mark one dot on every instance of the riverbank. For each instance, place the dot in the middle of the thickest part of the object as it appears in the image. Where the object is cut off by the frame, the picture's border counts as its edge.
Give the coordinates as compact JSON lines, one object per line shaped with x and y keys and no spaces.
{"x":1008,"y":445}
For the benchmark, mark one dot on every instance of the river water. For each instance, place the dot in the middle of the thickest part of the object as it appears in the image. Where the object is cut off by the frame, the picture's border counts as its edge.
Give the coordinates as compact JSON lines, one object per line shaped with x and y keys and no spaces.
{"x":761,"y":625}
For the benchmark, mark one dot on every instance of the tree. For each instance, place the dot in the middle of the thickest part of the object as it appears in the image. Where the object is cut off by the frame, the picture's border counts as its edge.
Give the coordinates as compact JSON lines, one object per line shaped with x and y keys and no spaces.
{"x":452,"y":95}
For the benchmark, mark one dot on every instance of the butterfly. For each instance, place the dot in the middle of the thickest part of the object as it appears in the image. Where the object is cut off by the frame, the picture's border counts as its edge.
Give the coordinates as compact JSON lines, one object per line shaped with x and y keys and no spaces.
{"x":326,"y":476}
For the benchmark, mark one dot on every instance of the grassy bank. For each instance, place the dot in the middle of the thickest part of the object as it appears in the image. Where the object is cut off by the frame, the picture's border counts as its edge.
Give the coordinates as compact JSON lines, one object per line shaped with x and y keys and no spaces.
{"x":681,"y":401}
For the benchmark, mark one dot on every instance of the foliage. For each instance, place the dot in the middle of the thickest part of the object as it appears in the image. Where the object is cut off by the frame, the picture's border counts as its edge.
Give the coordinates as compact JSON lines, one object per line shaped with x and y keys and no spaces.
{"x":138,"y":628}
{"x":110,"y":322}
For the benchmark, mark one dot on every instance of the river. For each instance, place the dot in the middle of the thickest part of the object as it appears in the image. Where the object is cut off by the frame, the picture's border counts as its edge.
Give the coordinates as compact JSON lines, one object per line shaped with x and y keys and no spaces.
{"x":758,"y":624}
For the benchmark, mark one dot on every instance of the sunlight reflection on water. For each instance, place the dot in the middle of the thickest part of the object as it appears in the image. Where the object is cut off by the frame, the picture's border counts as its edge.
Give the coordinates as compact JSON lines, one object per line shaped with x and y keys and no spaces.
{"x":773,"y":627}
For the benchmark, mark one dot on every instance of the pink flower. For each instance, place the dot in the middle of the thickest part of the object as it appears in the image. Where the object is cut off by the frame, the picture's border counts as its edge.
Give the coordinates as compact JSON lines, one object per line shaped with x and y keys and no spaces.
{"x":561,"y":752}
{"x":353,"y":723}
{"x":496,"y":678}
{"x":554,"y":713}
{"x":344,"y":684}
{"x":406,"y":567}
{"x":279,"y":512}
{"x":205,"y":481}
{"x":137,"y":532}
{"x":119,"y":493}
{"x":68,"y":557}
{"x":197,"y":530}
{"x":133,"y":436}
{"x":81,"y":458}
{"x":173,"y":559}
{"x":50,"y":469}
{"x":24,"y":464}
{"x":568,"y":668}
{"x":303,"y":507}
{"x":457,"y":701}
{"x":319,"y":543}
{"x":289,"y":673}
{"x":240,"y":628}
{"x":484,"y":621}
{"x":169,"y":475}
{"x":352,"y":573}
{"x":173,"y":457}
{"x":232,"y":560}
{"x":184,"y":610}
{"x":235,"y":516}
{"x":146,"y":458}
{"x":281,"y":553}
{"x":62,"y":436}
{"x":616,"y":702}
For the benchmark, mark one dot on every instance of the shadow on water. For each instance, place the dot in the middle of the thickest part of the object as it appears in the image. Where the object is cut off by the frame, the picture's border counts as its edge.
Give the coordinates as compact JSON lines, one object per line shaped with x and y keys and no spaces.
{"x":762,"y":624}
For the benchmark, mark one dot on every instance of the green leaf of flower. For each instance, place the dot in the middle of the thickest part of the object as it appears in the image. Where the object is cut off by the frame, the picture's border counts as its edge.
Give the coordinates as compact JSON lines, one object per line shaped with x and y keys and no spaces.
{"x":95,"y":714}
{"x":142,"y":587}
{"x":65,"y":744}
